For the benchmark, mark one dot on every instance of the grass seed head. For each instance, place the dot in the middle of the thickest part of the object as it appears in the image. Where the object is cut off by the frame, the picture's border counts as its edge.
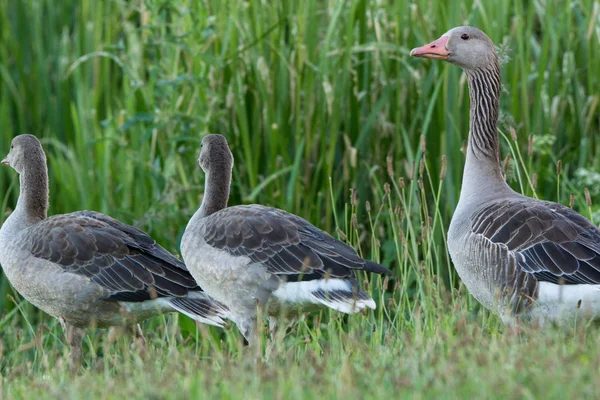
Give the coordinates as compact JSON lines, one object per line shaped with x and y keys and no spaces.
{"x":571,"y":200}
{"x":513,"y":134}
{"x":443,"y":170}
{"x":588,"y":197}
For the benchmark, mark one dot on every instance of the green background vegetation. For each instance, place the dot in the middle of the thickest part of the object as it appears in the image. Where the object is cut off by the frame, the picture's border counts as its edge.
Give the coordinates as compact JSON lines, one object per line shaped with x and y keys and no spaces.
{"x":316,"y":98}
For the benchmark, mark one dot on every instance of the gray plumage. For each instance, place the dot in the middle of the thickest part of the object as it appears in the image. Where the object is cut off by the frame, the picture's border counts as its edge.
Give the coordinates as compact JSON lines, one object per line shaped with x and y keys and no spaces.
{"x":518,"y":256}
{"x":252,"y":255}
{"x":85,"y":267}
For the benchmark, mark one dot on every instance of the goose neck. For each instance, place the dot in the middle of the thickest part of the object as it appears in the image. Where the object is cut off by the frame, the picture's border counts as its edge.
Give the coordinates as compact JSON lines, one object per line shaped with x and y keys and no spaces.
{"x":484,"y":92}
{"x":33,"y":197}
{"x":216,"y":191}
{"x":482,"y":168}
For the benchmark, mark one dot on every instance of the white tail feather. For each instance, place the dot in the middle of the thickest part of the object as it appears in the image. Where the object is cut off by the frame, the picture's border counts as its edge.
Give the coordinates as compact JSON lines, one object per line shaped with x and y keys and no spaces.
{"x":306,"y":292}
{"x":213,"y":320}
{"x":562,"y":301}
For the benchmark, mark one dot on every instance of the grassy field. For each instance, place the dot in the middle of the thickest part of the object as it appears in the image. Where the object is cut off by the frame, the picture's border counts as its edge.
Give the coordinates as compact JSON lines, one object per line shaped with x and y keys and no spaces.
{"x":328,"y":118}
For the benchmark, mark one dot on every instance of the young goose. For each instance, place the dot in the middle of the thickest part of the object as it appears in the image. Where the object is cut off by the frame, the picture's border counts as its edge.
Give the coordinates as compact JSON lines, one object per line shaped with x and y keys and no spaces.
{"x":251,"y":255}
{"x":518,"y":256}
{"x":85,"y":267}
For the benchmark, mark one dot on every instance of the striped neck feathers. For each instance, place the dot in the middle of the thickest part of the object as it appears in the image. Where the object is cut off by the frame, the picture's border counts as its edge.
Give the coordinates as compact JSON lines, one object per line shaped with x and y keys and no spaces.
{"x":484,"y":91}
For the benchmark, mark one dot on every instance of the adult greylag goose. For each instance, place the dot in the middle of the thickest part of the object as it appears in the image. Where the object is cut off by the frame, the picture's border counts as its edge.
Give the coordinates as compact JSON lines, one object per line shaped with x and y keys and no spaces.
{"x":251,"y":255}
{"x":86,"y":268}
{"x":523,"y":258}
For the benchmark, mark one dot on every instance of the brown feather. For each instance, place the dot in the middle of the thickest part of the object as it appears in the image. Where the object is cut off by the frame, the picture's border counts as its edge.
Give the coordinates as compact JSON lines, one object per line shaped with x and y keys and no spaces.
{"x":550,"y":240}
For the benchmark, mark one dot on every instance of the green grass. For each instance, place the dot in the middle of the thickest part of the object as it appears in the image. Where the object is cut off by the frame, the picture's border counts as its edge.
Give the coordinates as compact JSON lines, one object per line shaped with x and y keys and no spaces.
{"x":317,"y":98}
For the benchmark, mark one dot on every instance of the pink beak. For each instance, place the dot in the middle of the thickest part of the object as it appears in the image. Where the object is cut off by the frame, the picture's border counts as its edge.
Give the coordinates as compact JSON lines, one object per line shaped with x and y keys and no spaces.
{"x":436,"y":50}
{"x":5,"y":162}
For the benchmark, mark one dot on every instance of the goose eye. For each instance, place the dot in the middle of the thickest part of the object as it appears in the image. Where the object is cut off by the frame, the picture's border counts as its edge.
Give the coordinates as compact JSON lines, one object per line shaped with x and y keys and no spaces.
{"x":464,"y":36}
{"x":12,"y":146}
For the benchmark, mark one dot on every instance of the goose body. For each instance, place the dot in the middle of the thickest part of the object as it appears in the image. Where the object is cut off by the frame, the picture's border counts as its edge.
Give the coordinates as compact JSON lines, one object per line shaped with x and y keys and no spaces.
{"x":90,"y":269}
{"x":251,"y":255}
{"x":87,"y":268}
{"x":520,"y":257}
{"x":545,"y":258}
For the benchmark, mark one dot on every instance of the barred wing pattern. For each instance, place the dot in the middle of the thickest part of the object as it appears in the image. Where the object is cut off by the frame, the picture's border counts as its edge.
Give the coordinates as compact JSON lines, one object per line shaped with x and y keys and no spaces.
{"x":121,"y":258}
{"x":549,"y":240}
{"x":286,"y":244}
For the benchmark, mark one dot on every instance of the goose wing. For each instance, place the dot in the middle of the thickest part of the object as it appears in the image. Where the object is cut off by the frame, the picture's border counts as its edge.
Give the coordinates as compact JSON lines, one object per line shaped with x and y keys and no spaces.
{"x":124,"y":260}
{"x":550,"y":241}
{"x":285,"y":243}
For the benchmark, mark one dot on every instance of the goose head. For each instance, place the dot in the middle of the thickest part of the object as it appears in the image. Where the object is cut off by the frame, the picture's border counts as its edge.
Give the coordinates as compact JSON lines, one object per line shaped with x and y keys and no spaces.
{"x":465,"y":46}
{"x":215,"y":154}
{"x":24,"y":150}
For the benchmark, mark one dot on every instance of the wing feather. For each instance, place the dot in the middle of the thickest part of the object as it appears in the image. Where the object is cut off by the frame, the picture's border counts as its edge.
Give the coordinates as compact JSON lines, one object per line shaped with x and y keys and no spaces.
{"x":121,"y":258}
{"x":284,"y":243}
{"x":551,"y":241}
